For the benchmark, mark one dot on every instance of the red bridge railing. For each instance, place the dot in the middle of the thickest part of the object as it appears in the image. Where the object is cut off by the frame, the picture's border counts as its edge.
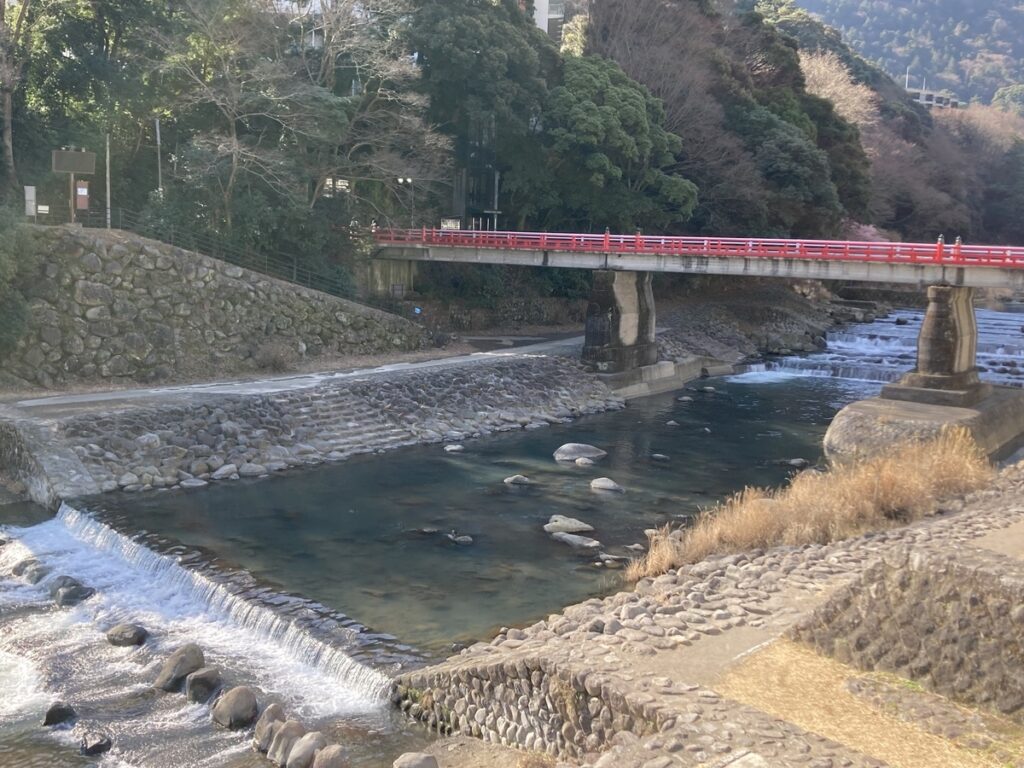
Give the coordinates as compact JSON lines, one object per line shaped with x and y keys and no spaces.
{"x":952,"y":254}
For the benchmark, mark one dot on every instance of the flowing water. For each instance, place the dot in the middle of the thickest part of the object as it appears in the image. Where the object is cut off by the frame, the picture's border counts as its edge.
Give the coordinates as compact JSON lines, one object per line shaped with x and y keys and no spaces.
{"x":317,"y":586}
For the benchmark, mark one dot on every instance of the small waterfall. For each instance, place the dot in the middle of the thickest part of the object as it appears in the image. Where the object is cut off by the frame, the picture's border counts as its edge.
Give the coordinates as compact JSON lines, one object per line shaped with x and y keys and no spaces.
{"x":881,"y":352}
{"x":132,"y":579}
{"x":259,"y":620}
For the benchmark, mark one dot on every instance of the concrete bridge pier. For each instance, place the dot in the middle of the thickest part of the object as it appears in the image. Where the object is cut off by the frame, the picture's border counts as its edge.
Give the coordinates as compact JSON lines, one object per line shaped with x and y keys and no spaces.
{"x":943,"y":390}
{"x":946,"y":372}
{"x":620,"y":322}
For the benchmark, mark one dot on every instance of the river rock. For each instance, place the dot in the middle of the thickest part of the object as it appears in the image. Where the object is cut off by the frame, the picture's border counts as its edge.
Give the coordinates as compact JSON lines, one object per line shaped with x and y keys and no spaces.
{"x":202,"y":684}
{"x":19,"y":568}
{"x":179,"y":664}
{"x":709,"y":390}
{"x":415,"y":760}
{"x":333,"y":756}
{"x":577,"y":542}
{"x":264,"y":735}
{"x":684,"y":399}
{"x":583,"y":461}
{"x":461,"y":540}
{"x":284,"y":740}
{"x":95,"y":743}
{"x":573,"y":451}
{"x":305,"y":749}
{"x":563,"y":524}
{"x":660,"y":457}
{"x":71,"y":591}
{"x":251,"y":470}
{"x":126,"y":634}
{"x":518,"y":480}
{"x":225,"y":472}
{"x":606,"y":484}
{"x":672,"y":423}
{"x":454,"y":449}
{"x":236,"y":709}
{"x":35,"y":573}
{"x":58,"y":713}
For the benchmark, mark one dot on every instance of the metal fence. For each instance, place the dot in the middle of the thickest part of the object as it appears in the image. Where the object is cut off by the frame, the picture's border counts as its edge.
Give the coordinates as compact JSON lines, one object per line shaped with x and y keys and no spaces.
{"x":280,"y":265}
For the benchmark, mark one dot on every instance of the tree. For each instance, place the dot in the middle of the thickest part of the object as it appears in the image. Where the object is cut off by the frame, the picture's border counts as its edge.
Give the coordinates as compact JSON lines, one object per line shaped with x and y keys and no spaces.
{"x":14,"y":27}
{"x":610,"y":153}
{"x":1010,"y":99}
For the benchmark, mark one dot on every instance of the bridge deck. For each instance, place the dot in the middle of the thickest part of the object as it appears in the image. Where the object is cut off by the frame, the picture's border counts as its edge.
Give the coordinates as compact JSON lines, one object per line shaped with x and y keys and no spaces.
{"x":915,"y":263}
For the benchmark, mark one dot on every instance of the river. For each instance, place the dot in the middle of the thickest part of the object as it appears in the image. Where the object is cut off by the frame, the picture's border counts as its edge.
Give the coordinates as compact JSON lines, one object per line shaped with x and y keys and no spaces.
{"x":316,"y":586}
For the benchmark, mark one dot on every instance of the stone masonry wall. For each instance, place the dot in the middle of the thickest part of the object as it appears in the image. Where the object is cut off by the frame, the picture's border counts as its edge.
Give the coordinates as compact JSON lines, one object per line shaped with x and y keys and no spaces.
{"x":114,"y":306}
{"x":948,"y":619}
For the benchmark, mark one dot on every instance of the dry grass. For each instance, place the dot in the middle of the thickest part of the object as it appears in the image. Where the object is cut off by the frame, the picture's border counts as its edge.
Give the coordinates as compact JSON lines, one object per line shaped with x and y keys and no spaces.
{"x":892,"y":488}
{"x":795,"y":684}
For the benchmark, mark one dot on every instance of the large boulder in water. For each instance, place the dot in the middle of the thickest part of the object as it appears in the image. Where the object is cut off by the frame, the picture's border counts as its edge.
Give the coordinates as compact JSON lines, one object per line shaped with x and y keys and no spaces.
{"x":573,"y":451}
{"x":58,"y":713}
{"x":333,"y":756}
{"x":95,"y":743}
{"x":202,"y":684}
{"x":274,"y":714}
{"x":606,"y":484}
{"x":563,"y":524}
{"x":179,"y":664}
{"x":126,"y":634}
{"x":70,"y":591}
{"x":577,"y":542}
{"x":284,"y":740}
{"x":305,"y":749}
{"x":236,"y":709}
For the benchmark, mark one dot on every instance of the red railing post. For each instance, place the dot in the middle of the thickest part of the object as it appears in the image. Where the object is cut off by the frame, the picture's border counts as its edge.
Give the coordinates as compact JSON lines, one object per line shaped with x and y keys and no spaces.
{"x":940,"y":248}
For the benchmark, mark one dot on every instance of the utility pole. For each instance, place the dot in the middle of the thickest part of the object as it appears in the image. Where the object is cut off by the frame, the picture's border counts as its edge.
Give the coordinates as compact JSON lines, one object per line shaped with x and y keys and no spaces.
{"x":159,"y":163}
{"x":108,"y":179}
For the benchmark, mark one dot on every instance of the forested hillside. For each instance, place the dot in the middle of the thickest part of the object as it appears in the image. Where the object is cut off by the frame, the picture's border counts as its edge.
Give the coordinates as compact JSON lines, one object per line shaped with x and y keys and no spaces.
{"x":970,"y":47}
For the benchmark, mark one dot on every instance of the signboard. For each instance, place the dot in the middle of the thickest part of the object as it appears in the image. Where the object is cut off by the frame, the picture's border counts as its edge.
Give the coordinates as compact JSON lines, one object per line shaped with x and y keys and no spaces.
{"x":42,"y":209}
{"x":451,"y":223}
{"x":73,"y":161}
{"x":30,"y":201}
{"x":82,"y":195}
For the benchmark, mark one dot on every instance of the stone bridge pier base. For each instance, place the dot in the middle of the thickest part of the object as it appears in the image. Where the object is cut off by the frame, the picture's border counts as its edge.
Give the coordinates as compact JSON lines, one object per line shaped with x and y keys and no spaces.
{"x":942,"y":391}
{"x":620,"y":322}
{"x":946,"y":372}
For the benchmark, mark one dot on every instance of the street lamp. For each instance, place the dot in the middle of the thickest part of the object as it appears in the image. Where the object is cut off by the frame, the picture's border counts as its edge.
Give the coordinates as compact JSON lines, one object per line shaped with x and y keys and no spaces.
{"x":403,"y":181}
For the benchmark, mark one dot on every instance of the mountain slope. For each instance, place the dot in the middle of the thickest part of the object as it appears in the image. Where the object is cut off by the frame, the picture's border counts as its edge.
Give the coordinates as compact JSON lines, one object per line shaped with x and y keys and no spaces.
{"x":970,"y":47}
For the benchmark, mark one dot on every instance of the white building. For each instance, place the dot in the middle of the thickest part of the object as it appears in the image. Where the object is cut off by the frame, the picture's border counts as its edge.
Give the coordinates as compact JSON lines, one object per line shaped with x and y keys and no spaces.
{"x":548,"y":15}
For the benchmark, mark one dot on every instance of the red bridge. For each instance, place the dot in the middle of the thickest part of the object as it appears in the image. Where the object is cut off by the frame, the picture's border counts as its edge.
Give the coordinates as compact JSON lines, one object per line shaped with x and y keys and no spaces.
{"x":621,"y":319}
{"x":920,"y":263}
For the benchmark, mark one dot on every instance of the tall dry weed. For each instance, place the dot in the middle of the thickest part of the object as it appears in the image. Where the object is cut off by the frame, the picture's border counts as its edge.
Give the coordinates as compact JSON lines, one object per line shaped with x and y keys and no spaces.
{"x":892,"y":488}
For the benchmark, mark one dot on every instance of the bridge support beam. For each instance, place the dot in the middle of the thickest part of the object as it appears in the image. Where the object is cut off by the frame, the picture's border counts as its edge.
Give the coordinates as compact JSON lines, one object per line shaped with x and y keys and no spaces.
{"x":620,"y":322}
{"x":946,"y":372}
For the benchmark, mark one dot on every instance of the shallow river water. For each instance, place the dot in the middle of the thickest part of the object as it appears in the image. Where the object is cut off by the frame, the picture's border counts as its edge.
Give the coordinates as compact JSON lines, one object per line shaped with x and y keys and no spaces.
{"x":317,"y":586}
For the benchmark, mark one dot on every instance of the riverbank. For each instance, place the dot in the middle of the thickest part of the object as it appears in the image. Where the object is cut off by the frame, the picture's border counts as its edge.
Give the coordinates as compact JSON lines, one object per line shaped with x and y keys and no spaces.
{"x":60,"y":448}
{"x":691,"y":668}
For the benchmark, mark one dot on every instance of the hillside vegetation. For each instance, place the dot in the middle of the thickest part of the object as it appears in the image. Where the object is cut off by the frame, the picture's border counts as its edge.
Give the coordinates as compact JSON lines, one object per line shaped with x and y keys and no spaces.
{"x":970,"y":47}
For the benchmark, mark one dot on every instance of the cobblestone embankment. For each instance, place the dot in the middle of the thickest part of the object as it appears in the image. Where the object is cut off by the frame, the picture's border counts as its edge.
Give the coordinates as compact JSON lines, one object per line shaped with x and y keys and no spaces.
{"x":190,"y":441}
{"x":627,"y":681}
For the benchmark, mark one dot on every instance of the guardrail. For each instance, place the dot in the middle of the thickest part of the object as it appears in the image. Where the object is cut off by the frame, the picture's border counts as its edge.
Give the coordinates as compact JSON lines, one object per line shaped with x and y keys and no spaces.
{"x":282,"y":266}
{"x":951,"y":254}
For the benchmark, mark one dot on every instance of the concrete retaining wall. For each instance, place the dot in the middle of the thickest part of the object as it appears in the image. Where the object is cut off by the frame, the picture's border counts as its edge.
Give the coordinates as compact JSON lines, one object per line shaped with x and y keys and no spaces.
{"x":951,"y":620}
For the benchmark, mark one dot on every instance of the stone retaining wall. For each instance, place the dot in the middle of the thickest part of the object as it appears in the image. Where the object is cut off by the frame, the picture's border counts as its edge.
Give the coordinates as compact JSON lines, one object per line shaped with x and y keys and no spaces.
{"x":948,"y":619}
{"x":115,"y":306}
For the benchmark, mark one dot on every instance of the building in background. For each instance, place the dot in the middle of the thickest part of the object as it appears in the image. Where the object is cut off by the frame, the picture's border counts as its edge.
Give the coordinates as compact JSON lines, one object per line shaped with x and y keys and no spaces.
{"x":548,"y":15}
{"x":934,"y":99}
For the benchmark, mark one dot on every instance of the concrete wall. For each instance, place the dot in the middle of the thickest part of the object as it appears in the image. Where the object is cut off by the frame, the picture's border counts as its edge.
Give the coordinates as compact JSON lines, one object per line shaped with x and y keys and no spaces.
{"x":113,"y":306}
{"x":950,"y":620}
